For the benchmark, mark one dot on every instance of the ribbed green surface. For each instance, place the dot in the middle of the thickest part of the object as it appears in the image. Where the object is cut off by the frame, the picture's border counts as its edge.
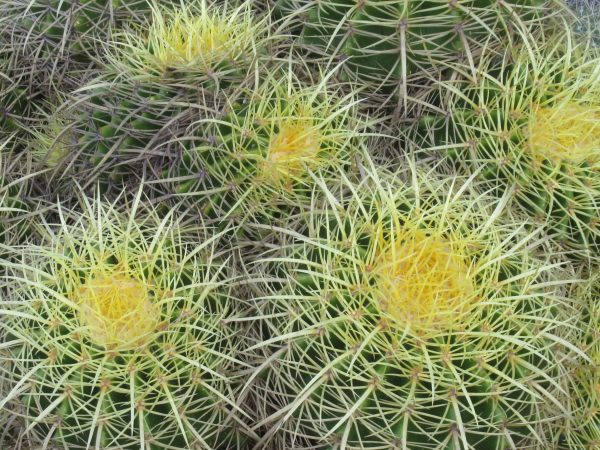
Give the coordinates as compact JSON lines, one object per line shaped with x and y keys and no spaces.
{"x":388,"y":41}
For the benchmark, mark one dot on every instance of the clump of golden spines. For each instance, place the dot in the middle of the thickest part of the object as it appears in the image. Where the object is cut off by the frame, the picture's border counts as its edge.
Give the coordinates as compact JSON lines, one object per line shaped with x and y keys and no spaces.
{"x":184,"y":38}
{"x":424,"y":280}
{"x":198,"y":38}
{"x":116,"y":309}
{"x":564,"y":132}
{"x":294,"y":147}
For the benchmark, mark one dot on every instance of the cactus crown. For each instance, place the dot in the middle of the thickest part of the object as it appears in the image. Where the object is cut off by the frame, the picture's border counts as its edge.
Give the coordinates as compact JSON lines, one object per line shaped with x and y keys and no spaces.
{"x":297,"y":128}
{"x":200,"y":37}
{"x":424,"y":279}
{"x":566,"y":131}
{"x":181,"y":38}
{"x":116,"y":308}
{"x":427,"y":267}
{"x":294,"y":141}
{"x":551,"y":98}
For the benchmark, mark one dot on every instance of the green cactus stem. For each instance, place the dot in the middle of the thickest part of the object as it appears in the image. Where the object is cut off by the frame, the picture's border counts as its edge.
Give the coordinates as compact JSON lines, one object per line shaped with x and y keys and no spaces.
{"x":386,"y":43}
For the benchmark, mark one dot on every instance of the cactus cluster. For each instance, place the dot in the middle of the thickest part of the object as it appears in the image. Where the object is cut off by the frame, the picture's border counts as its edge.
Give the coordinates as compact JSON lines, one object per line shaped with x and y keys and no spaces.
{"x":161,"y":78}
{"x":299,"y":225}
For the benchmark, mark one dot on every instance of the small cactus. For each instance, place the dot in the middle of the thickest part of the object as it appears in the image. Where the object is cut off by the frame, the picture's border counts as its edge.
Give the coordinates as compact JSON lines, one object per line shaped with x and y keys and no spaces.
{"x":259,"y":157}
{"x":50,"y":146}
{"x":118,"y":335}
{"x":53,"y":143}
{"x":531,"y":125}
{"x":408,"y":315}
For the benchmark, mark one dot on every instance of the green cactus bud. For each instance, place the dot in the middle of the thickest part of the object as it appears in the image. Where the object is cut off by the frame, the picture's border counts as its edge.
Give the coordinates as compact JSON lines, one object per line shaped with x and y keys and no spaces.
{"x":410,"y":313}
{"x":118,"y":332}
{"x":533,"y":126}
